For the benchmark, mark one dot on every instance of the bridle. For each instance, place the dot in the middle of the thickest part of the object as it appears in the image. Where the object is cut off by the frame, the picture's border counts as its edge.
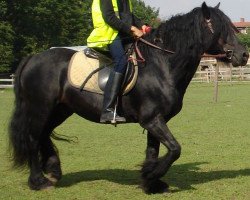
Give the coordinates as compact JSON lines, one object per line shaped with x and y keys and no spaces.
{"x":228,"y":54}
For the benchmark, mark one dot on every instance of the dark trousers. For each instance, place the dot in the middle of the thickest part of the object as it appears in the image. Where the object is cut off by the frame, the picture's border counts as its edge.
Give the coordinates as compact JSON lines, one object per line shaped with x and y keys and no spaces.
{"x":117,"y":51}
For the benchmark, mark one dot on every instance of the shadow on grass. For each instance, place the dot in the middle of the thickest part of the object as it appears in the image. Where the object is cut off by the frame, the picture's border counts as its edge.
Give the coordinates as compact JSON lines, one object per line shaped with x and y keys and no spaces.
{"x":182,"y":176}
{"x":185,"y":176}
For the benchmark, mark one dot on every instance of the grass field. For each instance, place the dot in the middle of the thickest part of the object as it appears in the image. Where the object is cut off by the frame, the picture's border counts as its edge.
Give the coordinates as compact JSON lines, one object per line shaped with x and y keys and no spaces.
{"x":104,"y":163}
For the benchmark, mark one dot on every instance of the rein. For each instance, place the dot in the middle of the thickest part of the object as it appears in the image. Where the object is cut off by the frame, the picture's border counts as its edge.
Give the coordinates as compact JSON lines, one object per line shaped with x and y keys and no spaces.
{"x":227,"y":55}
{"x":156,"y":47}
{"x":142,"y":59}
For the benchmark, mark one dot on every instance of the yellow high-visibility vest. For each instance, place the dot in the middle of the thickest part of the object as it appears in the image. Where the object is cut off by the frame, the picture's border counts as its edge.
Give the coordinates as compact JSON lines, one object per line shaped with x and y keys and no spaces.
{"x":103,"y":34}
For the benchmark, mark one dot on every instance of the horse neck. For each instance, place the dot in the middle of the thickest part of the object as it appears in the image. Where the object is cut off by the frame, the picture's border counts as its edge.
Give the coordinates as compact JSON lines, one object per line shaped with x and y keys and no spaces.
{"x":186,"y":40}
{"x":184,"y":34}
{"x":183,"y":70}
{"x":176,"y":70}
{"x":180,"y":70}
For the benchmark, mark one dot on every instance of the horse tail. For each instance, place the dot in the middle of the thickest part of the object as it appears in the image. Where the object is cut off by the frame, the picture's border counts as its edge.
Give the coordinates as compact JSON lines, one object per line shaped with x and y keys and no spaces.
{"x":19,"y":70}
{"x":18,"y":134}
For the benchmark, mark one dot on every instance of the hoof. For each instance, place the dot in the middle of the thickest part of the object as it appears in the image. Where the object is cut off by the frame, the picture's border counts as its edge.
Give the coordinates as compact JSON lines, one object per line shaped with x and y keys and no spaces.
{"x":40,"y":184}
{"x":48,"y":188}
{"x":154,"y":187}
{"x":53,"y":169}
{"x":52,"y":178}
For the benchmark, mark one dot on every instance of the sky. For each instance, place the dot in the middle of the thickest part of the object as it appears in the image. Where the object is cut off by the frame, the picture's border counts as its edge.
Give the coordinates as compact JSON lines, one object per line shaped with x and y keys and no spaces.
{"x":234,"y":9}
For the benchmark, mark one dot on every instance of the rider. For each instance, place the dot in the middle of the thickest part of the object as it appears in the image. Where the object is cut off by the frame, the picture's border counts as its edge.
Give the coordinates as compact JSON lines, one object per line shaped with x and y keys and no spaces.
{"x":113,"y":20}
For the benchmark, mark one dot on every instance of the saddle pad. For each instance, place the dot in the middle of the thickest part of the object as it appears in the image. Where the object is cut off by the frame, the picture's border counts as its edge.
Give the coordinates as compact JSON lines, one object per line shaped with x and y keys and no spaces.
{"x":80,"y":67}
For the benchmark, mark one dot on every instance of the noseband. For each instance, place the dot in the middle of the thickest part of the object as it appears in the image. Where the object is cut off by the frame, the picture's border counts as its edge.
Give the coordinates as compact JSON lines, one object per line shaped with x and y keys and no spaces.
{"x":228,"y":54}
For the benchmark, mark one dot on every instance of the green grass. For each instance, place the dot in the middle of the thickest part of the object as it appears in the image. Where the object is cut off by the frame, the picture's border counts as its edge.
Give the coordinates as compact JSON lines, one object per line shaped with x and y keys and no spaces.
{"x":105,"y":162}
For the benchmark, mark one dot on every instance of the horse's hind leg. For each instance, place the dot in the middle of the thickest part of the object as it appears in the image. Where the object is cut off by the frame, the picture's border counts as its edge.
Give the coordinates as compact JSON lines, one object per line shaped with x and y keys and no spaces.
{"x":25,"y":131}
{"x":50,"y":160}
{"x":36,"y":180}
{"x":153,"y":169}
{"x":36,"y":121}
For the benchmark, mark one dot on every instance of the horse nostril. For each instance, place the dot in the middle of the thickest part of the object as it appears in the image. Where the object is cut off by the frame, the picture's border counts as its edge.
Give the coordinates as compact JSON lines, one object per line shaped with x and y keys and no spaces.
{"x":246,"y":55}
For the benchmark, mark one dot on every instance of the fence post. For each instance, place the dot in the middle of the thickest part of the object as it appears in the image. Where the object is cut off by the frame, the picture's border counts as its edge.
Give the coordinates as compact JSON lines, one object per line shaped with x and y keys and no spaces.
{"x":207,"y":75}
{"x":231,"y":74}
{"x":216,"y":84}
{"x":12,"y":77}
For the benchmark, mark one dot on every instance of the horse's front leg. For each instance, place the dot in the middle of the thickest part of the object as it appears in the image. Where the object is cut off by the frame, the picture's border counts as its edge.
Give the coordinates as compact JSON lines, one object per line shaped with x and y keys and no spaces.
{"x":153,"y":146}
{"x":153,"y":169}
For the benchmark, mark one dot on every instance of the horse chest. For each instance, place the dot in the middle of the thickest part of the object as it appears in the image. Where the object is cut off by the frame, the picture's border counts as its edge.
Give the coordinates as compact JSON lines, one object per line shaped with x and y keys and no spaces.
{"x":172,"y":103}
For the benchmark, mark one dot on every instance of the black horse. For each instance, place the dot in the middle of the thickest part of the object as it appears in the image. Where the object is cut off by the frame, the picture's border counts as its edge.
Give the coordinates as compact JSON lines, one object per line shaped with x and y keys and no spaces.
{"x":44,"y":97}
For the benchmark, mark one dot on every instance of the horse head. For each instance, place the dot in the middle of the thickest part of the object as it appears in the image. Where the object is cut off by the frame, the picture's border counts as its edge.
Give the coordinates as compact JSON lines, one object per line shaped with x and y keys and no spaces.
{"x":220,"y":36}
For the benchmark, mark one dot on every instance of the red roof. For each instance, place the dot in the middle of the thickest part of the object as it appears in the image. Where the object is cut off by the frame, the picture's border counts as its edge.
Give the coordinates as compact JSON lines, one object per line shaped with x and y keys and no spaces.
{"x":242,"y":23}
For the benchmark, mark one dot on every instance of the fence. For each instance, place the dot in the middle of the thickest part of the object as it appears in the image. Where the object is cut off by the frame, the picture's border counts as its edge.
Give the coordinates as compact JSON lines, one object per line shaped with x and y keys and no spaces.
{"x":7,"y":82}
{"x":211,"y":70}
{"x":207,"y":72}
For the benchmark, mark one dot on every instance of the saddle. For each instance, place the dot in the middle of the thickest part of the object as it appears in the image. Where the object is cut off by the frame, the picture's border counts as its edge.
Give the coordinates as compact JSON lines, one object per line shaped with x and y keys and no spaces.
{"x":89,"y":70}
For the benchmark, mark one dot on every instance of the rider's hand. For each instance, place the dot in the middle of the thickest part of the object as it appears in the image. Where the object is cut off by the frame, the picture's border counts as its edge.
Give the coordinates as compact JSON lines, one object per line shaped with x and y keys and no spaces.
{"x":136,"y":32}
{"x":146,"y":29}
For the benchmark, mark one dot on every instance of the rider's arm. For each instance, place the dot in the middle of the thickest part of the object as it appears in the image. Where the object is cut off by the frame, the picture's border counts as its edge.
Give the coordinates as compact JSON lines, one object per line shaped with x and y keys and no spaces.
{"x":137,"y":22}
{"x":111,"y":19}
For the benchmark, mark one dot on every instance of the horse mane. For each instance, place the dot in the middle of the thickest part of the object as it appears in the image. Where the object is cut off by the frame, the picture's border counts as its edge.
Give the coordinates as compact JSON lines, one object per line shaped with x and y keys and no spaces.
{"x":185,"y":33}
{"x":181,"y":32}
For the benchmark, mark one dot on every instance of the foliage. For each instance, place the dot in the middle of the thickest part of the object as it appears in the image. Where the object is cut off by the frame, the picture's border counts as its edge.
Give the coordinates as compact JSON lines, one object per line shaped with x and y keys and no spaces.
{"x":105,"y":161}
{"x":146,"y":13}
{"x":28,"y":27}
{"x":42,"y":24}
{"x":245,"y":39}
{"x":6,"y":39}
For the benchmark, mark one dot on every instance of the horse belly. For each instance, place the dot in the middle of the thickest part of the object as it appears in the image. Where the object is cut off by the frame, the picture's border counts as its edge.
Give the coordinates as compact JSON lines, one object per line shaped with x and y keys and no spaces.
{"x":86,"y":104}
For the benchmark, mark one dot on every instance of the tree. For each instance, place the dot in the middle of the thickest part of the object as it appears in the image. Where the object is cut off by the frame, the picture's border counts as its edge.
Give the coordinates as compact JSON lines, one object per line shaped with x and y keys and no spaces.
{"x":6,"y":39}
{"x":87,"y":25}
{"x":42,"y":24}
{"x":245,"y":39}
{"x":146,"y":13}
{"x":29,"y":27}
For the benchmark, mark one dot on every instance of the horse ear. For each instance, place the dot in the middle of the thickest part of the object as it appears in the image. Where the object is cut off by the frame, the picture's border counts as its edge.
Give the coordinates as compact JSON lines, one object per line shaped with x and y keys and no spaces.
{"x":205,"y":11}
{"x":218,"y":5}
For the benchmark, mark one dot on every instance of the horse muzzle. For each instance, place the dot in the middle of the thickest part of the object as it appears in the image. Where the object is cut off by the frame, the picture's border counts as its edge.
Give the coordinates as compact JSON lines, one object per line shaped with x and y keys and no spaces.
{"x":238,"y":58}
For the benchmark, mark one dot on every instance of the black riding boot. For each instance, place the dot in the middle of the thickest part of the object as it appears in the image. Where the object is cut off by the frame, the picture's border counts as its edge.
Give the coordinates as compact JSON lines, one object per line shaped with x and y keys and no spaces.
{"x":111,"y":92}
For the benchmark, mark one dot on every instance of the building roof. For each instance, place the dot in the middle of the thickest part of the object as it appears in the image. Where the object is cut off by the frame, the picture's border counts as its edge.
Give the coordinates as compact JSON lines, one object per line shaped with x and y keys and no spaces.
{"x":242,"y":23}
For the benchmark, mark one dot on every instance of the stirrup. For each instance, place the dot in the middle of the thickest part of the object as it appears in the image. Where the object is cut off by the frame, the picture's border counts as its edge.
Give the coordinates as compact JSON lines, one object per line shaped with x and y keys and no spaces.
{"x":111,"y":117}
